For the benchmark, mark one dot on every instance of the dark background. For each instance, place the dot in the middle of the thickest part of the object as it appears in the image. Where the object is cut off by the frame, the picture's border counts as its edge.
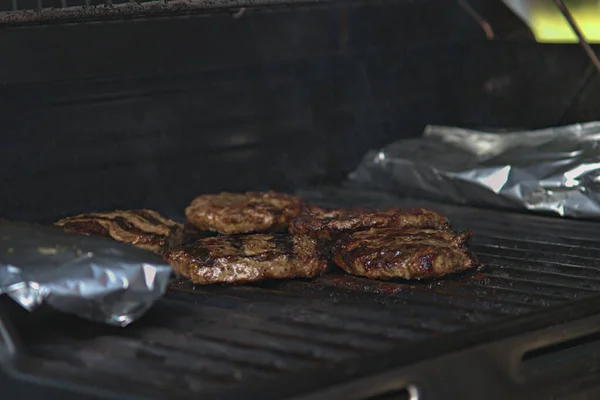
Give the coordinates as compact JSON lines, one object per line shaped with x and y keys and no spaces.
{"x":151,"y":112}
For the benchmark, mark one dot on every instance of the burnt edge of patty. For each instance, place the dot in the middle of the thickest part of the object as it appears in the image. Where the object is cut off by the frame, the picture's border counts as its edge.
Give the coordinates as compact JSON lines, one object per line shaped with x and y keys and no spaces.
{"x":330,"y":224}
{"x":95,"y":224}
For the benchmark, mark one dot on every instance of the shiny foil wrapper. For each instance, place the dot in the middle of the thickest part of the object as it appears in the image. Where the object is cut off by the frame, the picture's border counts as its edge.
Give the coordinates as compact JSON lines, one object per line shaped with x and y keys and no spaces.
{"x":555,"y":170}
{"x":92,"y":277}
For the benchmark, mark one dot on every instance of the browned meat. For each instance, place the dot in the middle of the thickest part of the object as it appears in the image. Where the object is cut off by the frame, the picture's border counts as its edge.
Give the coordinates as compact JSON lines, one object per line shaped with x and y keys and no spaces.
{"x":145,"y":229}
{"x":247,"y":258}
{"x":410,"y":253}
{"x":231,"y":213}
{"x":327,"y":225}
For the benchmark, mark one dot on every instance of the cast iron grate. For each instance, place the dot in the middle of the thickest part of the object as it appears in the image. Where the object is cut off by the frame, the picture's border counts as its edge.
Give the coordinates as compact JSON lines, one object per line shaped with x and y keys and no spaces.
{"x":227,"y":341}
{"x":24,"y":12}
{"x":58,"y":5}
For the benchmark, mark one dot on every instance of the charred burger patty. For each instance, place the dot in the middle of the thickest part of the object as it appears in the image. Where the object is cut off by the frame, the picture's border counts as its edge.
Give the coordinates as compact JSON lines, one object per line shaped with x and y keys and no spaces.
{"x":231,"y":213}
{"x":145,"y":229}
{"x":248,"y":258}
{"x":409,"y":253}
{"x":327,"y":225}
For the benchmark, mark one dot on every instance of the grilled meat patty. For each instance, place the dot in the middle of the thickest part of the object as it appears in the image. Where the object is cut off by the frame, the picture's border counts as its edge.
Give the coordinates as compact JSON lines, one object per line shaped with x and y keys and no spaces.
{"x":410,"y":253}
{"x":327,"y":225}
{"x":247,"y":258}
{"x":145,"y":229}
{"x":231,"y":213}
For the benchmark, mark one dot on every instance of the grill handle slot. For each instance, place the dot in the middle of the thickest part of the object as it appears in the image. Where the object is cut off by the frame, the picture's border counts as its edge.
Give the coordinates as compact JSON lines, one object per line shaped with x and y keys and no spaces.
{"x":562,"y":359}
{"x":558,"y":356}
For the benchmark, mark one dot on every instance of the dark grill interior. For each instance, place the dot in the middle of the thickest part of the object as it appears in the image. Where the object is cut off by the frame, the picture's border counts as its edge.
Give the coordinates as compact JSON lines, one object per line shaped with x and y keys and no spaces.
{"x":131,"y":111}
{"x":236,"y":341}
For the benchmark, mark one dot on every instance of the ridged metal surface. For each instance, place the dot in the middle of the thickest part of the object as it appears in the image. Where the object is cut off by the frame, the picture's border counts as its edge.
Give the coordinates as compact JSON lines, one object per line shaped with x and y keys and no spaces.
{"x":219,"y":341}
{"x":17,"y":12}
{"x":57,"y":5}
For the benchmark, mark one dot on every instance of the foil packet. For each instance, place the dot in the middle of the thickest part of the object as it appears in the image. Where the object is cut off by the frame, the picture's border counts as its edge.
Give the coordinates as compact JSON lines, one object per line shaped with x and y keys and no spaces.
{"x":555,"y":170}
{"x":92,"y":277}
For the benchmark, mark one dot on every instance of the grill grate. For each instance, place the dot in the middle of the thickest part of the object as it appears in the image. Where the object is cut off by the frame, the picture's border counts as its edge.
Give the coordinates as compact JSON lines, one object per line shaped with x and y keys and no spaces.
{"x":17,"y":12}
{"x":228,"y":341}
{"x":39,"y":5}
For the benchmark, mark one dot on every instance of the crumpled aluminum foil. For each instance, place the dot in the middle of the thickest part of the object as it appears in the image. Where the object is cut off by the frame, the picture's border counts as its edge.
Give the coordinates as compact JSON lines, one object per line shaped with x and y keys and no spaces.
{"x":554,"y":170}
{"x":92,"y":277}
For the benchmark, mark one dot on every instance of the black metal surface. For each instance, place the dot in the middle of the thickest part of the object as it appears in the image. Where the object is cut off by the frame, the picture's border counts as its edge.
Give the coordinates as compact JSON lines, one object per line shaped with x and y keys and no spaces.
{"x":347,"y":337}
{"x":28,"y":12}
{"x":500,"y":18}
{"x":275,"y":99}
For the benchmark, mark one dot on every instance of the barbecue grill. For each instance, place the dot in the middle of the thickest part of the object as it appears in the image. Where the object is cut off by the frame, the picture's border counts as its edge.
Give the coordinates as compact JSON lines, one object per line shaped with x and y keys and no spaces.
{"x":148,"y":104}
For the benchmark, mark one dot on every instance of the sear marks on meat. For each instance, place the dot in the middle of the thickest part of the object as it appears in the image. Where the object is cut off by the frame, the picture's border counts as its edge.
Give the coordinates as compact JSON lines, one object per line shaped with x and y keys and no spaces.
{"x":247,"y":258}
{"x":327,"y":225}
{"x":231,"y":213}
{"x":145,"y":229}
{"x":410,"y":253}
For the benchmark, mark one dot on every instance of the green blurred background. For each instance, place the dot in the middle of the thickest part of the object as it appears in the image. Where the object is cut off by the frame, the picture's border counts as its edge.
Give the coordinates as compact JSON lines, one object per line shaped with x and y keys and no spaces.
{"x":548,"y":24}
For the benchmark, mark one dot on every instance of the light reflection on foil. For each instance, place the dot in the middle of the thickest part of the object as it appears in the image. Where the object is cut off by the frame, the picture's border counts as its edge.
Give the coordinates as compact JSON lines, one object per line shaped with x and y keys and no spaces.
{"x":92,"y":277}
{"x":553,"y":170}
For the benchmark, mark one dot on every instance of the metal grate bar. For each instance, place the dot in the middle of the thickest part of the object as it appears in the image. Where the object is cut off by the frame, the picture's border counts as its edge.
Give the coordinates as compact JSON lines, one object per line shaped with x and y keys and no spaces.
{"x":417,"y":295}
{"x":305,"y":317}
{"x":489,"y":288}
{"x":243,"y":355}
{"x":566,"y":254}
{"x":152,"y":377}
{"x":240,"y":319}
{"x":383,"y":315}
{"x":489,"y":254}
{"x":547,"y":267}
{"x":532,"y":277}
{"x":535,"y":288}
{"x":86,"y":10}
{"x":523,"y":224}
{"x":560,"y":241}
{"x":119,"y":358}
